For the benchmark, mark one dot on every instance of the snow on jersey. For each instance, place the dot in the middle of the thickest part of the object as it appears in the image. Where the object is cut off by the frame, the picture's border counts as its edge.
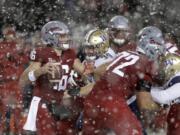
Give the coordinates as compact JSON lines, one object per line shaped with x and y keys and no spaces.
{"x":123,"y":74}
{"x":52,"y":87}
{"x":110,"y":54}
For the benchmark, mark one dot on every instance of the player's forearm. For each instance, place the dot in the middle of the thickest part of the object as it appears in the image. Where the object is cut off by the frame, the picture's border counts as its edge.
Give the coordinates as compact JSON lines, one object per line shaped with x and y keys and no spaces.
{"x":30,"y":75}
{"x":147,"y":107}
{"x":84,"y":91}
{"x":78,"y":66}
{"x":79,"y":91}
{"x":145,"y":101}
{"x":23,"y":81}
{"x":166,"y":96}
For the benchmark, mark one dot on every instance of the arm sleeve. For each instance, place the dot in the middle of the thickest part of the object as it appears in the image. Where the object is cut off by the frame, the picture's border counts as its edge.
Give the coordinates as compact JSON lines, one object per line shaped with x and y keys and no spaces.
{"x":166,"y":96}
{"x":102,"y":61}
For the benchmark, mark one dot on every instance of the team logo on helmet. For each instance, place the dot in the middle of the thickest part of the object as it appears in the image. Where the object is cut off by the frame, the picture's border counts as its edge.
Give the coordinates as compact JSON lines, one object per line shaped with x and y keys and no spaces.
{"x":52,"y":32}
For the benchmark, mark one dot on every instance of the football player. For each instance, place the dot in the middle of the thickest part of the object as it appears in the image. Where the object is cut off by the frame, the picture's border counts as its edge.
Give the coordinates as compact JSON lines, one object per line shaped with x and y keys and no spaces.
{"x":120,"y":39}
{"x":9,"y":32}
{"x":169,"y":93}
{"x":105,"y":109}
{"x":95,"y":46}
{"x":153,"y":31}
{"x":49,"y":72}
{"x":13,"y":60}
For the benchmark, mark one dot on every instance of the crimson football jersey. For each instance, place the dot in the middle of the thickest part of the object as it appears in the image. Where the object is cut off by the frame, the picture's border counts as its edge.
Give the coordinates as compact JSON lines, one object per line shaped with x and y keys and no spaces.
{"x":51,"y":88}
{"x":130,"y":46}
{"x":124,"y":72}
{"x":12,"y":64}
{"x":105,"y":106}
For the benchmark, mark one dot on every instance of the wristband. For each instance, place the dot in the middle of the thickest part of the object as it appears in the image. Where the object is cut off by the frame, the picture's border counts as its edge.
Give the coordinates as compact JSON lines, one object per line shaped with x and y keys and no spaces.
{"x":31,"y":76}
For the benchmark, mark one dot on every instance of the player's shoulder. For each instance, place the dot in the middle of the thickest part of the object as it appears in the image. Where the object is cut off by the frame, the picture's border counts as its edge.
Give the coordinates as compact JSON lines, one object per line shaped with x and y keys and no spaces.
{"x":173,"y":80}
{"x":40,"y":53}
{"x":130,"y":46}
{"x":70,"y":53}
{"x":42,"y":49}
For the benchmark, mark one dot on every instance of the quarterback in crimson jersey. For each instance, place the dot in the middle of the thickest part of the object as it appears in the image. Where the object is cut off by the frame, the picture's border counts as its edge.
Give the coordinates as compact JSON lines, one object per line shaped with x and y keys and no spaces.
{"x":51,"y":87}
{"x":49,"y":73}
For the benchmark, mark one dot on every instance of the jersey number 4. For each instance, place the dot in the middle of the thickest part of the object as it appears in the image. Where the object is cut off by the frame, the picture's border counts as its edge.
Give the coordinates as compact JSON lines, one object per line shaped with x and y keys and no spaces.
{"x":130,"y":60}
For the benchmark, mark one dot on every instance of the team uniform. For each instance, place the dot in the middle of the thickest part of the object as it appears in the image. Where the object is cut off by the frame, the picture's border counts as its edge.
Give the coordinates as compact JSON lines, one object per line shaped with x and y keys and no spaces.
{"x":106,"y":108}
{"x":110,"y":54}
{"x":108,"y":57}
{"x":169,"y":93}
{"x":161,"y":116}
{"x":49,"y":91}
{"x":12,"y":64}
{"x":173,"y":117}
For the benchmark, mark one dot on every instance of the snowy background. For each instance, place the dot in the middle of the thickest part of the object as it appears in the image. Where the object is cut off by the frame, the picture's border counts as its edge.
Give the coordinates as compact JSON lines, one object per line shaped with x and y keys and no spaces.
{"x":30,"y":15}
{"x":80,"y":15}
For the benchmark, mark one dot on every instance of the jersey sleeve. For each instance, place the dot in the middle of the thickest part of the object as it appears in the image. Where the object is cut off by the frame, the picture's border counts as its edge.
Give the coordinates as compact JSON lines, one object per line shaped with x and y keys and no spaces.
{"x":72,"y":53}
{"x":101,"y":61}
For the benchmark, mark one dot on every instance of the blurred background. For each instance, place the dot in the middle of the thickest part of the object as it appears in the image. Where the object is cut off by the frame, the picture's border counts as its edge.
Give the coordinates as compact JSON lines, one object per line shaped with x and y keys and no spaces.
{"x":29,"y":15}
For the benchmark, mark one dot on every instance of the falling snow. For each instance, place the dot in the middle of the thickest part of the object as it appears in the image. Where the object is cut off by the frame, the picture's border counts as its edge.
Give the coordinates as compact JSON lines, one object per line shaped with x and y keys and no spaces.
{"x":28,"y":17}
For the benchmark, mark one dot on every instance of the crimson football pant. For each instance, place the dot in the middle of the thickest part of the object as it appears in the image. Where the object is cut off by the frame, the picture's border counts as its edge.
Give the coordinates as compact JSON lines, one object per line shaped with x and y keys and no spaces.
{"x":103,"y":116}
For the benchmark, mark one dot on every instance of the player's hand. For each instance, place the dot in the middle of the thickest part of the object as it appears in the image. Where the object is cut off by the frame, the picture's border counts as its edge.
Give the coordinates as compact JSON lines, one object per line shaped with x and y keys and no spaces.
{"x":89,"y":68}
{"x":52,"y":69}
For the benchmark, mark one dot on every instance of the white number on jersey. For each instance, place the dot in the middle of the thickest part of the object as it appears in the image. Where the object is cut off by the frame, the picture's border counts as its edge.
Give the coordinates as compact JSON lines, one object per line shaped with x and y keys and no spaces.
{"x":61,"y":84}
{"x":33,"y":54}
{"x":131,"y":59}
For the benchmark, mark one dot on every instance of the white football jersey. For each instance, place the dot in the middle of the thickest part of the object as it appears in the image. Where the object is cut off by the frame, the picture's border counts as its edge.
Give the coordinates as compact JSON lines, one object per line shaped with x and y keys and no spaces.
{"x":107,"y":57}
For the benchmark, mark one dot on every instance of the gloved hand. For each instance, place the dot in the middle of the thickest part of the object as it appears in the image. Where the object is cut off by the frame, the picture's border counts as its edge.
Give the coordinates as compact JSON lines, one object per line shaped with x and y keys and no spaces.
{"x":144,"y":85}
{"x":61,"y":112}
{"x":74,"y":91}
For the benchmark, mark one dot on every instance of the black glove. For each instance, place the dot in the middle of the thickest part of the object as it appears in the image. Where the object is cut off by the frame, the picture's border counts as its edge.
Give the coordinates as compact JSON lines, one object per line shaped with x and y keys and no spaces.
{"x":74,"y":91}
{"x":60,"y":112}
{"x":27,"y":95}
{"x":143,"y":85}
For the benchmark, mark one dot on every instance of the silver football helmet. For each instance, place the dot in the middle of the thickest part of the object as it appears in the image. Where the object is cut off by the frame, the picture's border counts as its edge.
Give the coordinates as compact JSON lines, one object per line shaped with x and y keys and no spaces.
{"x":56,"y":33}
{"x":119,"y":30}
{"x":149,"y":31}
{"x":152,"y":47}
